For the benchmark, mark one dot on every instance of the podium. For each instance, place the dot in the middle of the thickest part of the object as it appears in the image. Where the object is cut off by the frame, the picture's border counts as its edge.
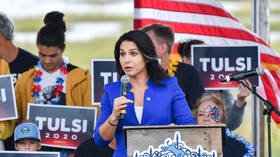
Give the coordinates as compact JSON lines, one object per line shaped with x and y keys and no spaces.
{"x":175,"y":140}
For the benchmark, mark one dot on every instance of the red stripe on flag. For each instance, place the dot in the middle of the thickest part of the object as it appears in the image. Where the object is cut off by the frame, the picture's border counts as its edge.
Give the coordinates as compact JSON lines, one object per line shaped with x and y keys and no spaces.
{"x":268,"y":90}
{"x":185,"y":7}
{"x":203,"y":30}
{"x":270,"y":59}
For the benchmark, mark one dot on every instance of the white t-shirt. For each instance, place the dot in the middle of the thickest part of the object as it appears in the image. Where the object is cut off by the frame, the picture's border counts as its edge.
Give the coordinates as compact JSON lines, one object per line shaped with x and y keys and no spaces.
{"x":48,"y":85}
{"x":139,"y":113}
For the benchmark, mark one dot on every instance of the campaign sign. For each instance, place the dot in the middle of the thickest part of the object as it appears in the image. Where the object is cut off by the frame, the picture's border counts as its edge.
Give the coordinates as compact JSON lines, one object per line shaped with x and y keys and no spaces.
{"x":63,"y":126}
{"x":28,"y":154}
{"x":103,"y":72}
{"x":215,"y":62}
{"x":8,"y":108}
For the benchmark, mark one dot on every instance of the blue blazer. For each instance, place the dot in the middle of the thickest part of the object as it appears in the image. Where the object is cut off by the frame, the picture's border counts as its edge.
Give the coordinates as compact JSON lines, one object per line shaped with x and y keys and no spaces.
{"x":163,"y":105}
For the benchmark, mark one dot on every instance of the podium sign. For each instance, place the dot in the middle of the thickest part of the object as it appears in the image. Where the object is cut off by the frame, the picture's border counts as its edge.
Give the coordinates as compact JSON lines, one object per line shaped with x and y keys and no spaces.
{"x":178,"y":140}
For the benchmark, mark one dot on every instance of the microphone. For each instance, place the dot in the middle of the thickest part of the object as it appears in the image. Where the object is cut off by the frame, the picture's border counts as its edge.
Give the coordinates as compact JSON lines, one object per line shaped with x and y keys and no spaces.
{"x":242,"y":75}
{"x":124,"y":85}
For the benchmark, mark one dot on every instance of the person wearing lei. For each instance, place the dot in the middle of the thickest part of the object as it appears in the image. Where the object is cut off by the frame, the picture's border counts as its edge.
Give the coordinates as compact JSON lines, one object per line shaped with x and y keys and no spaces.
{"x":58,"y":88}
{"x":53,"y":80}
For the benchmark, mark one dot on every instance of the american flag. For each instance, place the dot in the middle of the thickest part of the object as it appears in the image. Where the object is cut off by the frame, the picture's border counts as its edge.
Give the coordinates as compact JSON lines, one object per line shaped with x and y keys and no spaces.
{"x":207,"y":20}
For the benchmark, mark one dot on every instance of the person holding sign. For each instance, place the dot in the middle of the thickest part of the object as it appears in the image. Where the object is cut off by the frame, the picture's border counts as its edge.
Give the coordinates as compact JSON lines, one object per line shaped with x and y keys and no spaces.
{"x":211,"y":110}
{"x":53,"y":80}
{"x":235,"y":108}
{"x":6,"y":127}
{"x":19,"y":59}
{"x":152,"y":97}
{"x":188,"y":78}
{"x":27,"y":137}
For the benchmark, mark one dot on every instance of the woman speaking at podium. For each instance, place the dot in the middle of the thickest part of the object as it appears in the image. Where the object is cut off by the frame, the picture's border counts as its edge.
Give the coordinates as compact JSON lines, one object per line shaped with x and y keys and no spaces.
{"x":149,"y":97}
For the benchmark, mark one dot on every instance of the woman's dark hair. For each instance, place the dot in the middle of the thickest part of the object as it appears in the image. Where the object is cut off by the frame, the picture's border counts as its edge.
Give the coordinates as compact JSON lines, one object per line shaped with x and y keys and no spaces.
{"x":147,"y":49}
{"x":52,"y":34}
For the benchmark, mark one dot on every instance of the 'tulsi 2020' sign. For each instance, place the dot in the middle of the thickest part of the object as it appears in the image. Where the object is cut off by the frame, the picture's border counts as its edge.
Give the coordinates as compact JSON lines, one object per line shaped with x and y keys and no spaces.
{"x":63,"y":126}
{"x":215,"y":62}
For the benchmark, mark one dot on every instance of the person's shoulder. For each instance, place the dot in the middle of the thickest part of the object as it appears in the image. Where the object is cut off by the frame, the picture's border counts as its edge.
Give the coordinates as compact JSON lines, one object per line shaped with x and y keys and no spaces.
{"x":30,"y":71}
{"x":27,"y":74}
{"x":26,"y":54}
{"x":169,"y":80}
{"x":86,"y":148}
{"x":4,"y":67}
{"x":78,"y":71}
{"x":186,"y":67}
{"x":4,"y":63}
{"x":86,"y":144}
{"x":112,"y":86}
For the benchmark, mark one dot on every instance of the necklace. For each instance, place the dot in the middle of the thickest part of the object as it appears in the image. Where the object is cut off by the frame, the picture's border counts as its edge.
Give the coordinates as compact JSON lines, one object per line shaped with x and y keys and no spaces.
{"x":37,"y":89}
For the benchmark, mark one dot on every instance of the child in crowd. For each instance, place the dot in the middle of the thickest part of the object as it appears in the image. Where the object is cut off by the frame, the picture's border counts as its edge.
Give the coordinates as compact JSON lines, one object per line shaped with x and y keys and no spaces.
{"x":27,"y":137}
{"x":211,"y":110}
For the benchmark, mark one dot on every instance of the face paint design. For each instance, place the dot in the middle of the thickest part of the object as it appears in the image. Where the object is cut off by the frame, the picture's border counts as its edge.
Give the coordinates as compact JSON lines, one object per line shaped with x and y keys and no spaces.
{"x":213,"y":112}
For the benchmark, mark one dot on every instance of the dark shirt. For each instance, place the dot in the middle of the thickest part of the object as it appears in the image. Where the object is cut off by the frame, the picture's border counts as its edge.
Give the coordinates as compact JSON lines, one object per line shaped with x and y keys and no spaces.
{"x":190,"y":83}
{"x":233,"y":148}
{"x":23,"y":62}
{"x":90,"y":149}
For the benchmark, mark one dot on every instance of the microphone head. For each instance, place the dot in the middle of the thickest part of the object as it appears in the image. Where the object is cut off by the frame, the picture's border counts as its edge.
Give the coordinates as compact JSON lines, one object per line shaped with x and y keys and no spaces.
{"x":225,"y":79}
{"x":125,"y":79}
{"x":260,"y":71}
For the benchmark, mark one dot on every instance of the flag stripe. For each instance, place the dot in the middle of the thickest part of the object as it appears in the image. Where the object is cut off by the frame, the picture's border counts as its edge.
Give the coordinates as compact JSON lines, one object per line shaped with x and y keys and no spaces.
{"x":274,"y":99}
{"x":183,"y":17}
{"x":184,"y":6}
{"x":203,"y":30}
{"x":270,"y":59}
{"x":213,"y":40}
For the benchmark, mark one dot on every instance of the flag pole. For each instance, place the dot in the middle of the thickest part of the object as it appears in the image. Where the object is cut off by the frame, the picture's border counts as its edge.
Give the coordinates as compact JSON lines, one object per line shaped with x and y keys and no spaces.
{"x":260,"y":25}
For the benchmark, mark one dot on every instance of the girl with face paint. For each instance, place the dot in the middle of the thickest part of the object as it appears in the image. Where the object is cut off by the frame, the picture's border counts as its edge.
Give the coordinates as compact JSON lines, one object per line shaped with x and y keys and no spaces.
{"x":211,"y":111}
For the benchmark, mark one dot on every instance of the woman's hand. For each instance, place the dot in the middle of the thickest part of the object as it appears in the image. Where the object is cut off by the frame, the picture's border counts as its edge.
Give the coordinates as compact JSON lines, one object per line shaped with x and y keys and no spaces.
{"x":120,"y":103}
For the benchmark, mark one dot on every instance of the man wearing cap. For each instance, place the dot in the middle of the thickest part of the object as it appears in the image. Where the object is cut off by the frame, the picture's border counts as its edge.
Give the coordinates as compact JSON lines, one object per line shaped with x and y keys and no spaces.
{"x":27,"y":137}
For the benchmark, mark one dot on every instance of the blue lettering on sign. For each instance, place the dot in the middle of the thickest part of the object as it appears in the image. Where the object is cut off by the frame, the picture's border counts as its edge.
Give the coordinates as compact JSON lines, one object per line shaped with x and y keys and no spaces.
{"x":174,"y":148}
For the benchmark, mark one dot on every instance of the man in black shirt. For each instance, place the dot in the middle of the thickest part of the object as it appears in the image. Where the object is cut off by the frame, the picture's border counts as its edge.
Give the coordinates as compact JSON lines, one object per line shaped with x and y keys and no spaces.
{"x":188,"y":78}
{"x":19,"y":59}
